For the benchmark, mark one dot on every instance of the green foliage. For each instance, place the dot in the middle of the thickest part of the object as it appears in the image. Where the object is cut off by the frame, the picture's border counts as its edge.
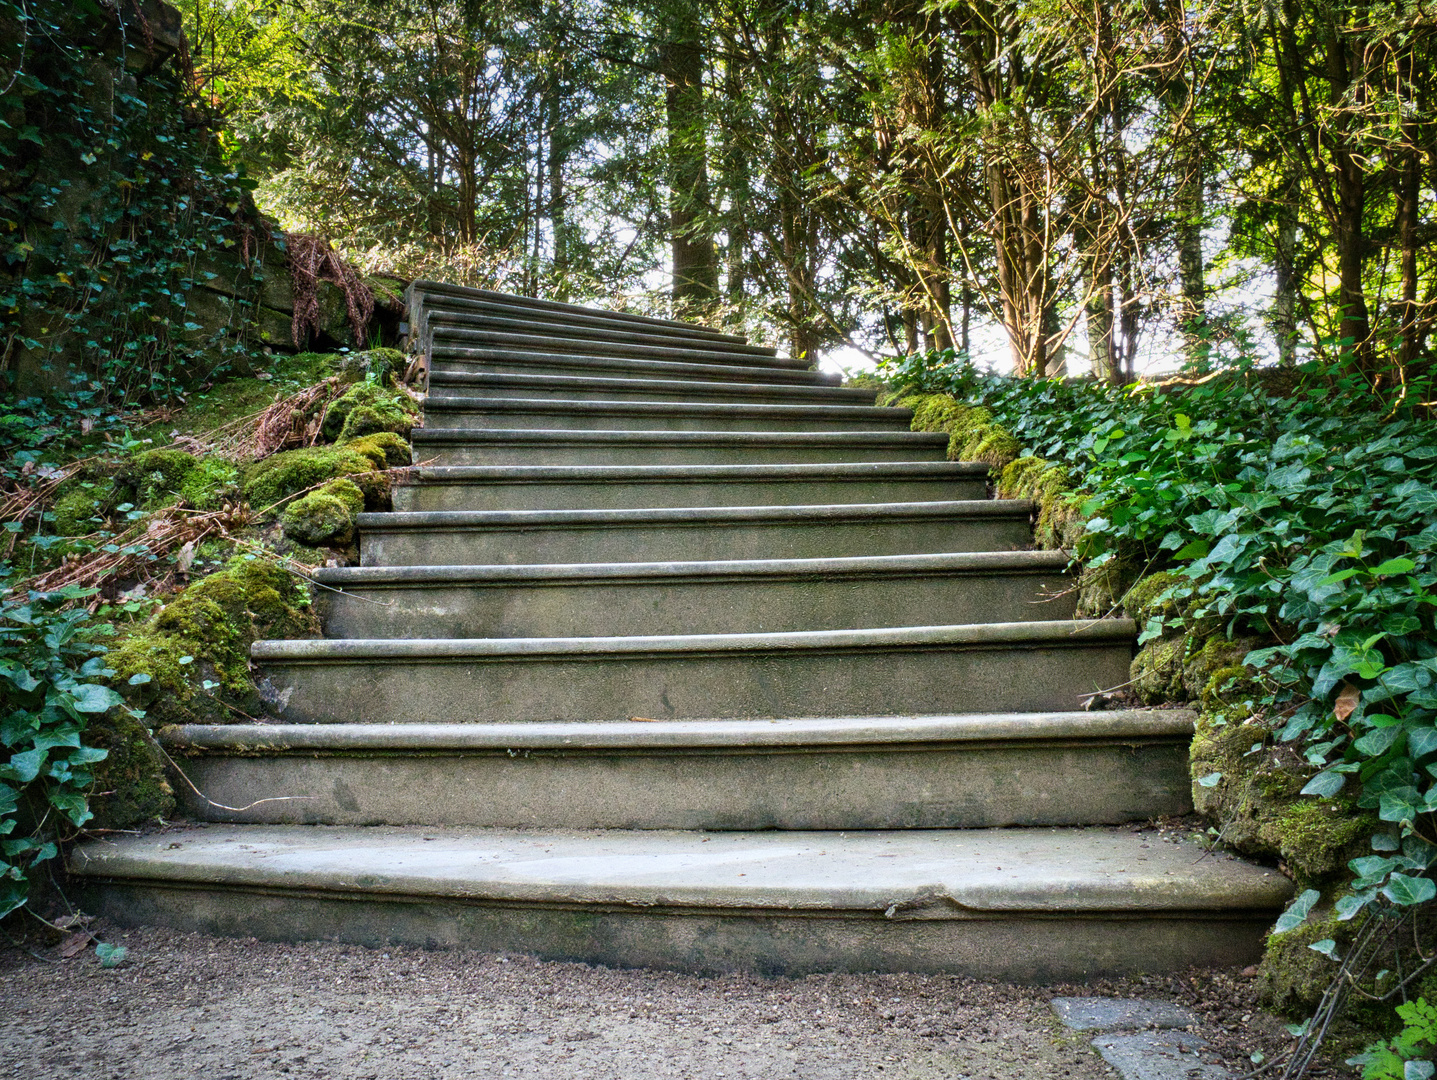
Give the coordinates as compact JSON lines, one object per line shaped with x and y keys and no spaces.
{"x":367,"y":408}
{"x":1312,"y":516}
{"x":1411,"y":1054}
{"x":52,"y":685}
{"x":113,"y":206}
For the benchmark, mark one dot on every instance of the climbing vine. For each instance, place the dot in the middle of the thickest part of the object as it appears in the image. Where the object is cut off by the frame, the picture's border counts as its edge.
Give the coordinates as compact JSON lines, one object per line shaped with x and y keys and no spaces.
{"x":114,"y":206}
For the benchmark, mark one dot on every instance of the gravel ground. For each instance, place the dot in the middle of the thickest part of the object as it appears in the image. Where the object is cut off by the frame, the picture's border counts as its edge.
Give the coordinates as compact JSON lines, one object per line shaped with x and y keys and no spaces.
{"x":186,"y":1005}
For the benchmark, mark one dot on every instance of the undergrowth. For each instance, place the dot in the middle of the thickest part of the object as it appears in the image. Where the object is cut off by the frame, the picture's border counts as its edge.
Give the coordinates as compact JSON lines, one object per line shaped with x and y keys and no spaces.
{"x":1296,"y":509}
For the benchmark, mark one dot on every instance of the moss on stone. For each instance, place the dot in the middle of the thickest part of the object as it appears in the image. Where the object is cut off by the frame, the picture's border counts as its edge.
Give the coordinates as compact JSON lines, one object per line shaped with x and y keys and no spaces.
{"x":1145,"y":598}
{"x":130,"y":786}
{"x":973,"y":436}
{"x":326,"y":516}
{"x":1317,"y":838}
{"x":1214,"y":655}
{"x":213,"y":622}
{"x":153,"y":479}
{"x":210,"y":484}
{"x":1099,"y":587}
{"x":378,"y":365}
{"x":366,"y":408}
{"x":77,"y":510}
{"x":1292,"y":977}
{"x":1157,"y":670}
{"x":280,"y":476}
{"x":384,"y":448}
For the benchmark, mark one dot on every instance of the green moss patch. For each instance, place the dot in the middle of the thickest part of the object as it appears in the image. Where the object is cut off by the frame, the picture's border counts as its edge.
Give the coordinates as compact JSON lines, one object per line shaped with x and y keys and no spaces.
{"x":384,"y":448}
{"x":326,"y":516}
{"x":280,"y":476}
{"x":192,"y":659}
{"x":366,"y":408}
{"x":973,"y":435}
{"x":130,"y":785}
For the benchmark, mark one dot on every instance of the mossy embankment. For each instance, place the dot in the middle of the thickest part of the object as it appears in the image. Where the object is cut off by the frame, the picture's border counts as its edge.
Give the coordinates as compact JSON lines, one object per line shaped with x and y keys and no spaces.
{"x":197,"y":530}
{"x":1245,"y":782}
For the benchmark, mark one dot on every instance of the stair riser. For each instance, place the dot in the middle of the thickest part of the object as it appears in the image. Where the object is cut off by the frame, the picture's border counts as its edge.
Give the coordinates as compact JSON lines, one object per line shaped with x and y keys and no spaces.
{"x":597,"y":608}
{"x":510,"y":362}
{"x":659,"y":542}
{"x":934,"y":787}
{"x":674,"y":350}
{"x":635,"y":452}
{"x":894,"y":680}
{"x":559,"y":332}
{"x":480,"y":390}
{"x":1013,"y":948}
{"x":636,"y":495}
{"x":557,"y":417}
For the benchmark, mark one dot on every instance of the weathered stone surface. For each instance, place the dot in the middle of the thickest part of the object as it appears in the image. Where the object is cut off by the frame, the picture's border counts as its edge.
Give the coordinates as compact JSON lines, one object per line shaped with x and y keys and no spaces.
{"x":1159,"y":1055}
{"x":1120,"y":1014}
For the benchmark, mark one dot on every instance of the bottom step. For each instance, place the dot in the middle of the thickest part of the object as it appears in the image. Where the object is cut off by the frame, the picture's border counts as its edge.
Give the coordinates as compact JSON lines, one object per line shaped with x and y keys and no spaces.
{"x":1016,"y":904}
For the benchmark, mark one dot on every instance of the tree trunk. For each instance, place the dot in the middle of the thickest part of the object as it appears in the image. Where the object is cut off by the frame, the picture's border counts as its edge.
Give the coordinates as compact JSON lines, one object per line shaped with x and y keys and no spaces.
{"x":1284,"y":301}
{"x":695,"y":273}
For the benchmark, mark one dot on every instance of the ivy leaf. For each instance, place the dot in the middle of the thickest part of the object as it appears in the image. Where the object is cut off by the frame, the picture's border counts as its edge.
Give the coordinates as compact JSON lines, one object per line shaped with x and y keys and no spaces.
{"x":1325,"y":784}
{"x":1327,"y":947}
{"x":1406,"y":891}
{"x":94,"y":698}
{"x":1297,"y":912}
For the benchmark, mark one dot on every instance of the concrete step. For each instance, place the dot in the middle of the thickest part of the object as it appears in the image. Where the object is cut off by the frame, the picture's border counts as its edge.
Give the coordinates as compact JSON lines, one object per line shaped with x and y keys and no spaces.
{"x":691,"y":534}
{"x":520,"y":446}
{"x":446,"y":335}
{"x":448,"y":357}
{"x":1039,"y":905}
{"x":496,"y":319}
{"x":551,"y":414}
{"x":480,"y":385}
{"x":919,"y":670}
{"x":599,"y":487}
{"x":735,"y":597}
{"x":445,"y":297}
{"x":929,"y":772}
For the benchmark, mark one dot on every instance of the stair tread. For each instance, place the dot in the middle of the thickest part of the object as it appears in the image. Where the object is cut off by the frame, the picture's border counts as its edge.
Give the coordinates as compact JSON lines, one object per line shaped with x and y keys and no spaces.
{"x":719,"y":374}
{"x":679,"y":350}
{"x":437,"y":289}
{"x":661,"y":386}
{"x":596,"y":330}
{"x":663,"y":408}
{"x":976,"y":562}
{"x":979,"y":635}
{"x":908,"y":874}
{"x":427,"y":519}
{"x":858,"y":470}
{"x":1122,"y":724}
{"x":686,"y":438}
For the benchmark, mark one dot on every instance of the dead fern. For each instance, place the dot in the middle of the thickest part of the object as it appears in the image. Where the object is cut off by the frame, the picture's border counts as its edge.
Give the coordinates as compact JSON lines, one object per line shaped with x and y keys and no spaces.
{"x":312,"y":260}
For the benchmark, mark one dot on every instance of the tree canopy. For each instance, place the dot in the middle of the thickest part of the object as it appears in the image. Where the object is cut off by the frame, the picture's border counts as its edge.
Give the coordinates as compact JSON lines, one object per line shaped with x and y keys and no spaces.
{"x":1082,"y":177}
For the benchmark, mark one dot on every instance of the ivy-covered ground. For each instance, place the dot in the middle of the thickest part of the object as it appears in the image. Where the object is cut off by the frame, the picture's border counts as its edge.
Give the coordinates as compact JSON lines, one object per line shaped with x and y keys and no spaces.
{"x":143,"y":553}
{"x":1274,"y":533}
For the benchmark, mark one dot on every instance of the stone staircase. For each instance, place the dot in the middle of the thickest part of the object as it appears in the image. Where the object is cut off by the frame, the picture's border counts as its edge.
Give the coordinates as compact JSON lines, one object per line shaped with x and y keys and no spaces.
{"x":674,"y":652}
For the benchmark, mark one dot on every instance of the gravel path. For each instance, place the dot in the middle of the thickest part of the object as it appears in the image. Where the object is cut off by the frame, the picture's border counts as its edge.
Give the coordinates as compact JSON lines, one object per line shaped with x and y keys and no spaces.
{"x":186,"y":1005}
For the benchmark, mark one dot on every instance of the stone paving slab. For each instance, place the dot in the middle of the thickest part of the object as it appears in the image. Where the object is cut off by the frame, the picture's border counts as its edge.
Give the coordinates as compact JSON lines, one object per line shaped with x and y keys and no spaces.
{"x":1161,"y":1054}
{"x":1118,"y":1014}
